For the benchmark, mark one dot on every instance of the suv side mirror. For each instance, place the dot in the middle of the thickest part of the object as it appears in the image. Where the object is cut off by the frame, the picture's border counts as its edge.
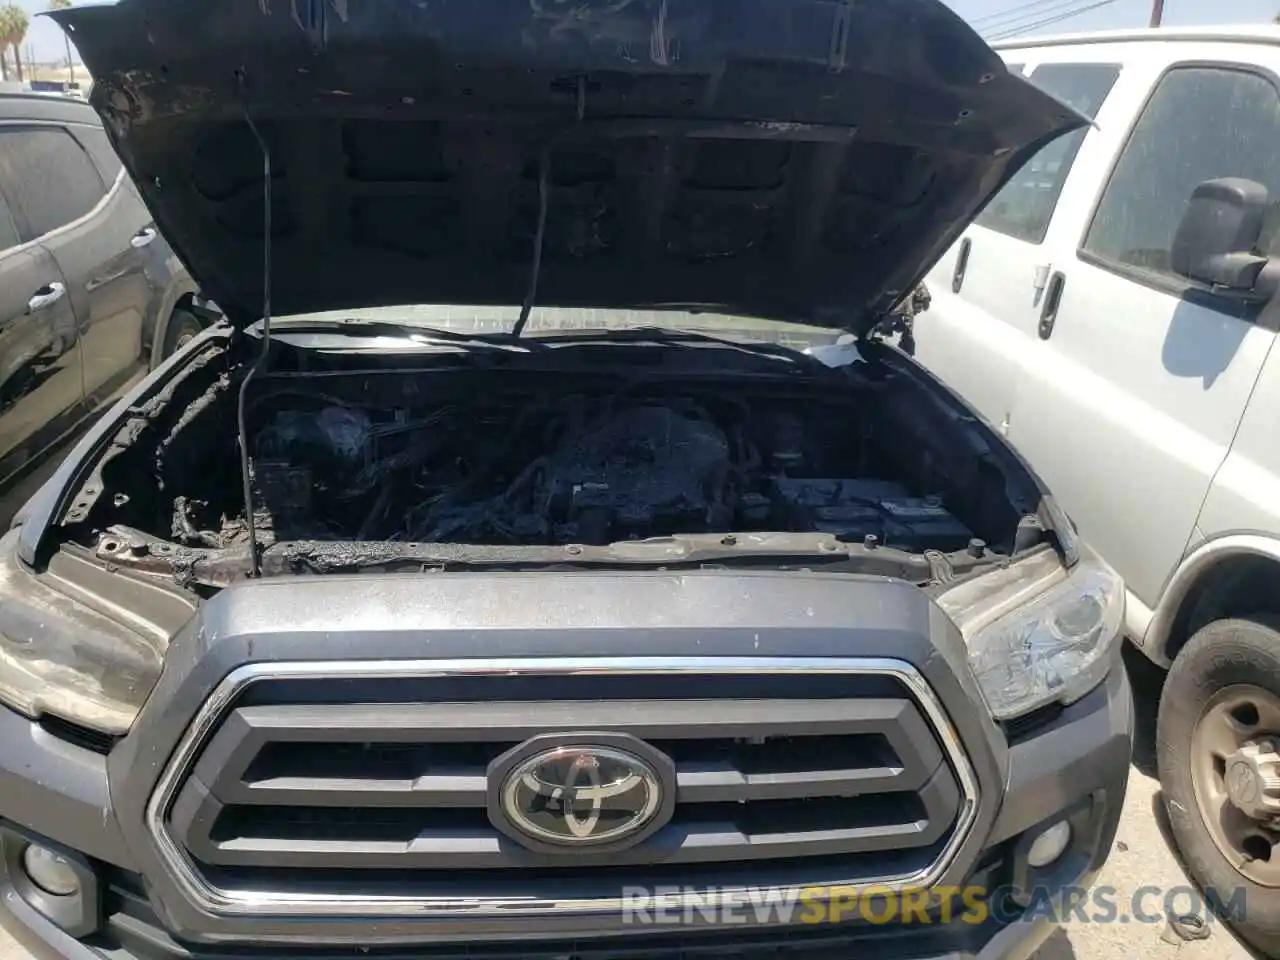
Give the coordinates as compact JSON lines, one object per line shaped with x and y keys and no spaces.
{"x":1217,"y":239}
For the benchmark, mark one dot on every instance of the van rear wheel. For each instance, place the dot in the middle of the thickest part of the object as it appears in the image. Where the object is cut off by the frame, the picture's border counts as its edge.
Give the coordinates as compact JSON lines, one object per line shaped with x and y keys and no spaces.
{"x":1219,"y":757}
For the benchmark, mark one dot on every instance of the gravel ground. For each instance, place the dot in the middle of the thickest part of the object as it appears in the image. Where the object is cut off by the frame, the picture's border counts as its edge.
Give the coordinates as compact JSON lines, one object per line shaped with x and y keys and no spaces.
{"x":1141,"y":857}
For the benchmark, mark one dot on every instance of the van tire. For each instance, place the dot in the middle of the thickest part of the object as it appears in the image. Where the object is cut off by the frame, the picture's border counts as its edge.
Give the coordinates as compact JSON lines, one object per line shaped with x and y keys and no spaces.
{"x":182,"y":327}
{"x":1224,"y":654}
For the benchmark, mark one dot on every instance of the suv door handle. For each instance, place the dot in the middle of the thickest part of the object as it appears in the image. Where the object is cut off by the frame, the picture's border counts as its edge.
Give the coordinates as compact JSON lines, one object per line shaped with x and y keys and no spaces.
{"x":1049,"y":308}
{"x":46,"y":296}
{"x":962,"y":264}
{"x":143,"y":237}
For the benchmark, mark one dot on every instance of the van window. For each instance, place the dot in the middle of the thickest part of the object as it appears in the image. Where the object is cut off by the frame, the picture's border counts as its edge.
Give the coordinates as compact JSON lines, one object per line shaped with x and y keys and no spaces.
{"x":1201,"y":123}
{"x":1025,"y":204}
{"x":48,"y":178}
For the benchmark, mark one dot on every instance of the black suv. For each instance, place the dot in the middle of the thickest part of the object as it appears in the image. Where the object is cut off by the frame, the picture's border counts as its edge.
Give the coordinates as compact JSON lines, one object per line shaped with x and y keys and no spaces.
{"x":91,"y":296}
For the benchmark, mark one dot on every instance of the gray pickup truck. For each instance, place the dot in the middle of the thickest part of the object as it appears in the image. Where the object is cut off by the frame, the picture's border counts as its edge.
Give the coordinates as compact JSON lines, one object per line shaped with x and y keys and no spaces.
{"x":500,"y":578}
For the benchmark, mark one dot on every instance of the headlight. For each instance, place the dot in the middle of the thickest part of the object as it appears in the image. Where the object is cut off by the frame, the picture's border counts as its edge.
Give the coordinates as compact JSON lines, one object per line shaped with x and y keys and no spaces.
{"x":59,"y":657}
{"x":1052,"y":646}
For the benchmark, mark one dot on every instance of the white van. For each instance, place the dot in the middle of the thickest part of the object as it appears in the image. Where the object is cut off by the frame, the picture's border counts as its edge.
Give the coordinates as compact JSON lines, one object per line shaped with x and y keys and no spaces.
{"x":1123,"y":336}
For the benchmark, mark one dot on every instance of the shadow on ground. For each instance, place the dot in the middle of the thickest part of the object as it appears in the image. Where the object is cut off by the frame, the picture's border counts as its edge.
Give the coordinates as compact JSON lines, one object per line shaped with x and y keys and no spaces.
{"x":1057,"y":947}
{"x":1147,"y":680}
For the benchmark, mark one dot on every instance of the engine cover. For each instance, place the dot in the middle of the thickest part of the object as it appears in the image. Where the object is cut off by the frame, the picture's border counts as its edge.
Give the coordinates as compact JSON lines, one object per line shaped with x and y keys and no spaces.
{"x":635,"y":469}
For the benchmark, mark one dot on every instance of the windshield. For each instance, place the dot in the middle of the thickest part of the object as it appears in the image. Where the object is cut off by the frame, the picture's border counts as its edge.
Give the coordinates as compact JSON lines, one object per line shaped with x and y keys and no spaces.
{"x":544,"y":321}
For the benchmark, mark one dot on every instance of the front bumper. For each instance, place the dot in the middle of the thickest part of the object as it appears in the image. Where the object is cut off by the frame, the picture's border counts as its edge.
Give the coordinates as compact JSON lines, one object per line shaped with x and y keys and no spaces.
{"x":328,"y":652}
{"x":1074,"y":766}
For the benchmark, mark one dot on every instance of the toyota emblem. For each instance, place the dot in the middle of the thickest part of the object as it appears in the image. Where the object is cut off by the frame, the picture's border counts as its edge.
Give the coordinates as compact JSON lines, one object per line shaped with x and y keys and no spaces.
{"x":576,"y":795}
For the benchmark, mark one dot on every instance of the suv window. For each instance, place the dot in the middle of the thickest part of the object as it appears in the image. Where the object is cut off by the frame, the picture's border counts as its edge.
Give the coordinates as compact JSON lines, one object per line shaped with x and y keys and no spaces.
{"x":8,"y":229}
{"x":48,"y":178}
{"x":99,"y":147}
{"x":1235,"y":133}
{"x":1025,"y":204}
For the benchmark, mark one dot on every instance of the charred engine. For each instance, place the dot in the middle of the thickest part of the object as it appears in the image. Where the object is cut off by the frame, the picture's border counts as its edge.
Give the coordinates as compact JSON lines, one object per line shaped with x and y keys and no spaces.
{"x":589,"y":468}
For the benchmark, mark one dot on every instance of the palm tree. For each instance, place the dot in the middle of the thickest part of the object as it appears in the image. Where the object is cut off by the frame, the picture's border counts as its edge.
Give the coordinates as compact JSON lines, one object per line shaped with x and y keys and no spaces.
{"x":4,"y":29}
{"x":13,"y":30}
{"x":71,"y":62}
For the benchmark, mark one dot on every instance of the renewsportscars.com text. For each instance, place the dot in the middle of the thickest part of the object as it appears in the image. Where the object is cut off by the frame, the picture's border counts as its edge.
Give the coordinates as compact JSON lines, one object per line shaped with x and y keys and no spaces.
{"x":936,"y":905}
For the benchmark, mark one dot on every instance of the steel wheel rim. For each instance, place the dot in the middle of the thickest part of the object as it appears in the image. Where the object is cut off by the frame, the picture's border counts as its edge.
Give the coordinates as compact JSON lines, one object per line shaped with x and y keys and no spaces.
{"x":1239,"y":715}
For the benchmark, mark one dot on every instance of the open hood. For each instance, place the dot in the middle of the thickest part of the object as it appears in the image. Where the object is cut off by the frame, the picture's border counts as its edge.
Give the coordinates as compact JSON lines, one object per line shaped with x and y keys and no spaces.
{"x":802,"y":160}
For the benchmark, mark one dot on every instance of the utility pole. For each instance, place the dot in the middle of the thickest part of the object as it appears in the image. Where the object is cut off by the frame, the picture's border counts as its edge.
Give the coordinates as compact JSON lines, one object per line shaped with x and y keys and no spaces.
{"x":1157,"y":12}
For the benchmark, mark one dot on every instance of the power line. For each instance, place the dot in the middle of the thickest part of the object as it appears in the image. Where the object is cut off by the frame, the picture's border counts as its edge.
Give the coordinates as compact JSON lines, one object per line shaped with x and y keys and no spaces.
{"x":1057,"y":16}
{"x":1012,"y":21}
{"x":1027,"y":28}
{"x":1016,"y":12}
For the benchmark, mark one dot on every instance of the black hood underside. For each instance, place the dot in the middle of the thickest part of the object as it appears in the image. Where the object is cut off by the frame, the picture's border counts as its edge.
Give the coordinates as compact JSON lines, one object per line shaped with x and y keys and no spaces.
{"x":802,"y":160}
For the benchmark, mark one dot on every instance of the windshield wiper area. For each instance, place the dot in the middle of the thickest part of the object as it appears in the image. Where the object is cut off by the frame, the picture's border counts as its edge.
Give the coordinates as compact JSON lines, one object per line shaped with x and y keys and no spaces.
{"x":126,"y":547}
{"x":403,"y":330}
{"x":534,"y":341}
{"x":664,"y":336}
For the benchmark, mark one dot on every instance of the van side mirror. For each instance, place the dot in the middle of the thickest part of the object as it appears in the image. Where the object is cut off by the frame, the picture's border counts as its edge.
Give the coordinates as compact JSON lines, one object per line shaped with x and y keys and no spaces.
{"x":1217,"y":239}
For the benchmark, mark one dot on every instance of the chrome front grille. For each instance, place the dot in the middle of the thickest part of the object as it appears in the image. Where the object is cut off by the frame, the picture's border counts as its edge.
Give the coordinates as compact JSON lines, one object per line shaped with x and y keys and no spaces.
{"x":345,"y":788}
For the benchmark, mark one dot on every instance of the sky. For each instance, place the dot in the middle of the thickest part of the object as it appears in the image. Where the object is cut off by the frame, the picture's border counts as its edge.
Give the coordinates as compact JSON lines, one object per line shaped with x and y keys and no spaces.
{"x":989,"y":17}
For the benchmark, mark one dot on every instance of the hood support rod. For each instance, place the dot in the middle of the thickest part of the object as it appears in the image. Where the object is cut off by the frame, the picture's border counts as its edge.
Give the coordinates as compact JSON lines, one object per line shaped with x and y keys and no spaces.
{"x":544,"y":188}
{"x":255,"y":569}
{"x":544,"y":162}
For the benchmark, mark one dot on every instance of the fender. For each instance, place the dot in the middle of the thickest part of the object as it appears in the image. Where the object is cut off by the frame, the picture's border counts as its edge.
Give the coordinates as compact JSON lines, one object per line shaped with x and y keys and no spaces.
{"x":33,"y":518}
{"x":1199,"y":562}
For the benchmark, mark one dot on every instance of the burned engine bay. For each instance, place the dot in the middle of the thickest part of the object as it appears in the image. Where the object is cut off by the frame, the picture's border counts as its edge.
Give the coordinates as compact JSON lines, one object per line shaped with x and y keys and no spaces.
{"x":361,"y":469}
{"x":585,"y":468}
